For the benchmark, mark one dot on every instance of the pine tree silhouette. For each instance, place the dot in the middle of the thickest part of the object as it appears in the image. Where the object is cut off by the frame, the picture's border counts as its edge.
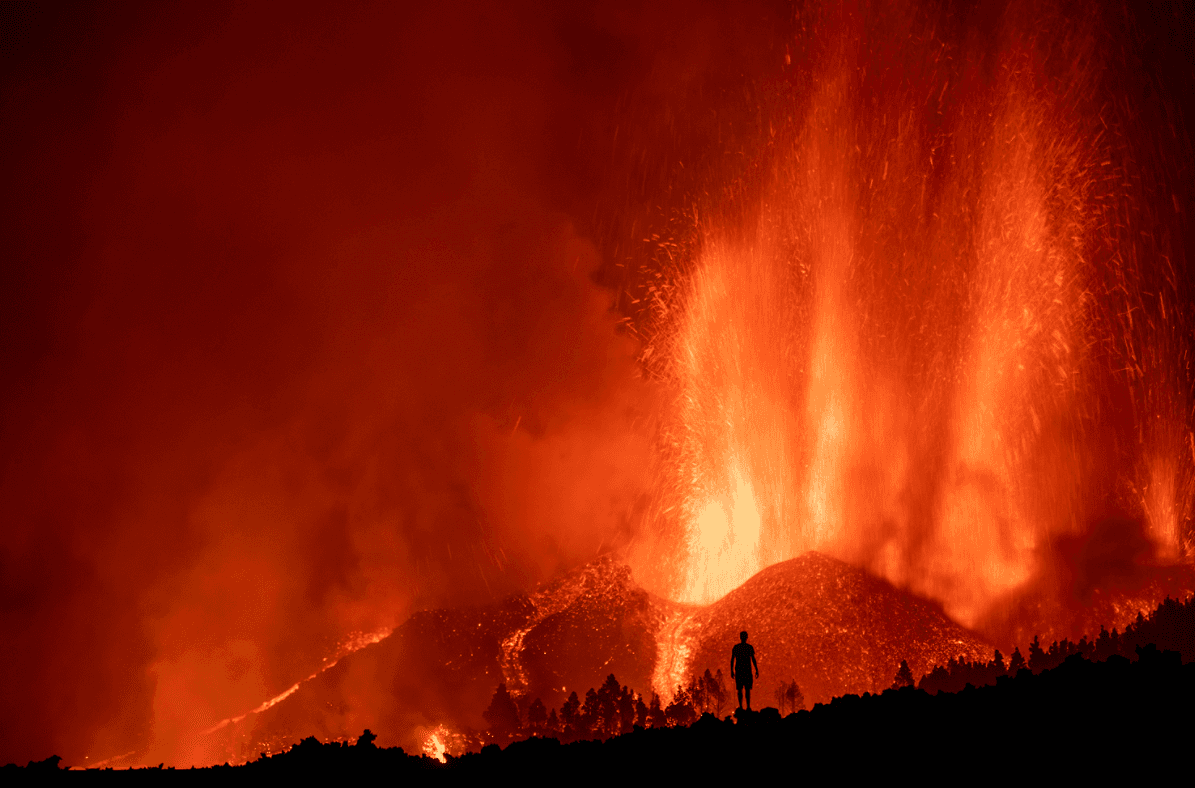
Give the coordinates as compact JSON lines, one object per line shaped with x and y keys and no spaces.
{"x":1037,"y":657}
{"x":570,"y":717}
{"x":696,"y":692}
{"x":626,"y":710}
{"x":502,"y":715}
{"x":537,"y":717}
{"x":715,"y":690}
{"x":590,"y":713}
{"x":655,"y":713}
{"x":608,"y":719}
{"x":904,"y":676}
{"x":796,"y":700}
{"x":680,"y":711}
{"x":1016,"y":662}
{"x":641,"y":712}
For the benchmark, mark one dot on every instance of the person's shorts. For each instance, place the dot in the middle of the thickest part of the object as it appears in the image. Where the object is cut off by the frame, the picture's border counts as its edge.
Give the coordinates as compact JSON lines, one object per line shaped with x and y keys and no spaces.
{"x":744,"y":682}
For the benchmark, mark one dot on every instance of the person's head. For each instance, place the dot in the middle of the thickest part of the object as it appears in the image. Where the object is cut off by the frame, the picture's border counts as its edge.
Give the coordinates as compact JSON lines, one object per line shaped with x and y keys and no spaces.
{"x":743,"y":636}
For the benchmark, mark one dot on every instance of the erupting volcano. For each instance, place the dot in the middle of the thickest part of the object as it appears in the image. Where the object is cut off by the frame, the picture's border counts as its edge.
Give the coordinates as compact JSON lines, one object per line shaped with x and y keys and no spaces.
{"x":360,"y":361}
{"x":932,"y":319}
{"x":832,"y":628}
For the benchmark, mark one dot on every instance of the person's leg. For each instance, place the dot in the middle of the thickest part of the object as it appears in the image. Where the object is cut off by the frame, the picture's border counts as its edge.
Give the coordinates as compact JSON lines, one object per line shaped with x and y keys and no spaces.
{"x":748,"y":691}
{"x":739,"y":687}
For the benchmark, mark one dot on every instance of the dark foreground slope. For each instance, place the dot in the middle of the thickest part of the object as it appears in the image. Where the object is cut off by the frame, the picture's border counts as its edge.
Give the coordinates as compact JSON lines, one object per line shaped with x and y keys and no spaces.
{"x":1081,"y":718}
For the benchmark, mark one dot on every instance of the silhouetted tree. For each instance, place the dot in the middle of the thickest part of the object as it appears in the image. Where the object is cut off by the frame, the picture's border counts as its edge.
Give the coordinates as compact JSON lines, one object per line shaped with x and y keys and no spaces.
{"x":1037,"y":657}
{"x":1103,"y":642}
{"x":570,"y":717}
{"x":937,"y":680}
{"x":656,"y":717}
{"x":626,"y":710}
{"x":787,"y":696}
{"x":641,"y":711}
{"x":1172,"y":624}
{"x":1016,"y":662}
{"x":537,"y":716}
{"x":904,"y":676}
{"x":680,"y":710}
{"x":796,"y":700}
{"x":696,"y":692}
{"x":552,"y":726}
{"x":609,"y":719}
{"x":502,"y":715}
{"x":716,"y":691}
{"x":590,"y":712}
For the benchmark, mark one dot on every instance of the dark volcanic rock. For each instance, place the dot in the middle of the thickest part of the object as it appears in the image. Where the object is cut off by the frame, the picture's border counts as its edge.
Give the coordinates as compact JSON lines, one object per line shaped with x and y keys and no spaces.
{"x":833,"y":628}
{"x":442,"y":666}
{"x":439,"y":666}
{"x":607,"y":626}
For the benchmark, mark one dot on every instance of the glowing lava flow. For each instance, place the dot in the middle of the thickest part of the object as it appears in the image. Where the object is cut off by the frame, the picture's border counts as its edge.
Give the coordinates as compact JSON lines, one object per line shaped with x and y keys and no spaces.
{"x":674,"y":643}
{"x":546,"y":601}
{"x":353,"y":642}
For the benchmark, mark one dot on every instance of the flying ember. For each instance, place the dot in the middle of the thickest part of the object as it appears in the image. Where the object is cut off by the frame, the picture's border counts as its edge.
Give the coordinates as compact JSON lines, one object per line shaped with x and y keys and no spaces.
{"x":920,"y":321}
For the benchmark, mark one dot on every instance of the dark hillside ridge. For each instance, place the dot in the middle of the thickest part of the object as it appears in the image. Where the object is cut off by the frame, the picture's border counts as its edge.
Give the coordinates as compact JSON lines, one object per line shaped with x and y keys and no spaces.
{"x":1171,"y":625}
{"x":1081,"y":718}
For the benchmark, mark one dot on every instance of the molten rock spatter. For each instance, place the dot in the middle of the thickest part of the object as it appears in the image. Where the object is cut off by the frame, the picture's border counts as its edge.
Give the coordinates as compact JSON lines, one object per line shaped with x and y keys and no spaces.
{"x":925,"y":320}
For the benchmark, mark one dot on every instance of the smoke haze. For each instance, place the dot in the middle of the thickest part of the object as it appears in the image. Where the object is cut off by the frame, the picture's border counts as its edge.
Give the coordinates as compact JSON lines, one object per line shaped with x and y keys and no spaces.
{"x":311,"y":317}
{"x":299,"y":334}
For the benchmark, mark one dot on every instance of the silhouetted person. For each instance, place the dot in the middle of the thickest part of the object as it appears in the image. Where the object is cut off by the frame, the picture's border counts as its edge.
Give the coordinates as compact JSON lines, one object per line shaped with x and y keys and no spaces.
{"x":742,"y":657}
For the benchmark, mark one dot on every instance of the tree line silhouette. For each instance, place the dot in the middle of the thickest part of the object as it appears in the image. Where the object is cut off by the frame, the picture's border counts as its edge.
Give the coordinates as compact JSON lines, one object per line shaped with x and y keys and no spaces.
{"x":1170,"y":627}
{"x":612,"y":710}
{"x":1129,"y":681}
{"x":1118,"y":721}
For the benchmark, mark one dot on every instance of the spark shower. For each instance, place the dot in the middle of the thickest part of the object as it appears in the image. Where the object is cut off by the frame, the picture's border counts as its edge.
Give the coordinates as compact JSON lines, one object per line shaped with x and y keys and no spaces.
{"x":932,"y":318}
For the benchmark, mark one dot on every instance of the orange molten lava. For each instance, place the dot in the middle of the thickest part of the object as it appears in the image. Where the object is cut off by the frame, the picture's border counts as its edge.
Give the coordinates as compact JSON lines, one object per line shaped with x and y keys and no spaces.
{"x":724,"y":542}
{"x":892,"y":342}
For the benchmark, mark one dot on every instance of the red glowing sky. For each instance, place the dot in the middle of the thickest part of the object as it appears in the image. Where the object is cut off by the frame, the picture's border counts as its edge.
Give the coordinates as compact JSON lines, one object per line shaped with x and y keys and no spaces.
{"x":278,"y":288}
{"x":305,"y":322}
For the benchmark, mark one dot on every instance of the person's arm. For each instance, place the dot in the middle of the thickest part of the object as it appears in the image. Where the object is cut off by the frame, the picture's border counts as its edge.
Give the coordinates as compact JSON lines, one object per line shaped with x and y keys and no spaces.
{"x":732,"y":656}
{"x":756,"y":664}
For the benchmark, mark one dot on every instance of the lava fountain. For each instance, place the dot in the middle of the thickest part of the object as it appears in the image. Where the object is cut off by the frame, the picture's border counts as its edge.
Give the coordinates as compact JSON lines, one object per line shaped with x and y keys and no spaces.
{"x":933,"y":318}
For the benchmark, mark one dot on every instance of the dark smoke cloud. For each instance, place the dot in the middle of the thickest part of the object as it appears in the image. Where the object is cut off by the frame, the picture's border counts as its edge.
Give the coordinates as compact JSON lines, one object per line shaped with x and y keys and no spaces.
{"x":299,"y":333}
